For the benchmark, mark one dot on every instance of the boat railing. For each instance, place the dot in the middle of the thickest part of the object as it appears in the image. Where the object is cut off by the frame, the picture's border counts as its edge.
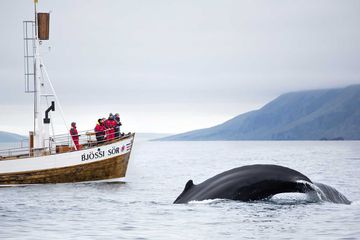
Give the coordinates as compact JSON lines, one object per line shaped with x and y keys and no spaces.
{"x":60,"y":144}
{"x":86,"y":139}
{"x":14,"y":152}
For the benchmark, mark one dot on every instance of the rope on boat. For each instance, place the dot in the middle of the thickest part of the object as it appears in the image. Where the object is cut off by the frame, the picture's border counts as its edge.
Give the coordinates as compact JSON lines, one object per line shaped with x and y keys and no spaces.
{"x":43,"y":69}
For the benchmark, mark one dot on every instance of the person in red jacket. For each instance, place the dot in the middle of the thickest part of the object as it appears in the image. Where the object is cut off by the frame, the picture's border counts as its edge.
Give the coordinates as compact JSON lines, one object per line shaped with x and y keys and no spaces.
{"x":100,"y":131}
{"x":110,"y":124}
{"x":75,"y":136}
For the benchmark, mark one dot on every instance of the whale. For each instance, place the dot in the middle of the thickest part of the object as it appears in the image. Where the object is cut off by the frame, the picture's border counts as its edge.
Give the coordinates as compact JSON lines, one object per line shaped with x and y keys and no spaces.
{"x":257,"y":182}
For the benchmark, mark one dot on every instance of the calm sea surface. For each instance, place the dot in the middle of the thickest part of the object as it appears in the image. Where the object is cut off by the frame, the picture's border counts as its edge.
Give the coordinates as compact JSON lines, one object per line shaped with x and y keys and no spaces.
{"x":141,"y":206}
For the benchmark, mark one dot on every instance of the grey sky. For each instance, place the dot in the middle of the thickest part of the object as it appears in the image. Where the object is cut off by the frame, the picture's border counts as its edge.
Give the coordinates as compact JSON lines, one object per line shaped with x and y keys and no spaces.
{"x":172,"y":66}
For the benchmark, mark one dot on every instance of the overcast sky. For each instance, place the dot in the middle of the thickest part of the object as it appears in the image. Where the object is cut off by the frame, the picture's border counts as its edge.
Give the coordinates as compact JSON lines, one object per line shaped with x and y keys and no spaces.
{"x":174,"y":66}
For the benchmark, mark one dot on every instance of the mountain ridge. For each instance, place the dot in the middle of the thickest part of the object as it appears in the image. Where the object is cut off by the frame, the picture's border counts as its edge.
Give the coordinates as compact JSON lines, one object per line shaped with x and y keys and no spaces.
{"x":304,"y":115}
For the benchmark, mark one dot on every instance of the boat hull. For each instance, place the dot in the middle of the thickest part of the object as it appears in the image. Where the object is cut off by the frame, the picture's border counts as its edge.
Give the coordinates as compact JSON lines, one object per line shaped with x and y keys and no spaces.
{"x":82,"y":169}
{"x":104,"y":169}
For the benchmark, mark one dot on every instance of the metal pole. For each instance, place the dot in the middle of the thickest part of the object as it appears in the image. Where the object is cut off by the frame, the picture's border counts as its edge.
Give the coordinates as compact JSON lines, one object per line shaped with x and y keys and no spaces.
{"x":39,"y":140}
{"x":34,"y":47}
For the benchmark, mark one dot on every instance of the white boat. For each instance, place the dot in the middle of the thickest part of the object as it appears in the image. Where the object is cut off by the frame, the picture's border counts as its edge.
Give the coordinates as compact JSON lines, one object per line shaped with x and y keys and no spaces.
{"x":55,"y":158}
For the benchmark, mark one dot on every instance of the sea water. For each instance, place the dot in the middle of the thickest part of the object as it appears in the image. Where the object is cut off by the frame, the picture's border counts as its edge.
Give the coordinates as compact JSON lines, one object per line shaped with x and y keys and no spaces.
{"x":140,"y":207}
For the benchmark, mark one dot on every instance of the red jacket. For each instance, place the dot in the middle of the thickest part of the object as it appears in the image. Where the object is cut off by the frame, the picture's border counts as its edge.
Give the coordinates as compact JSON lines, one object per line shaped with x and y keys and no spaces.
{"x":110,"y":133}
{"x":74,"y":134}
{"x":100,"y":130}
{"x":110,"y":123}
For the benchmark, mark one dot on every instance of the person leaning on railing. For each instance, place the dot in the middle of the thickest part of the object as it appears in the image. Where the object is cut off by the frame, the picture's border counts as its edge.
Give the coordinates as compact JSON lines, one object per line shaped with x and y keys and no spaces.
{"x":110,"y":124}
{"x":100,"y":131}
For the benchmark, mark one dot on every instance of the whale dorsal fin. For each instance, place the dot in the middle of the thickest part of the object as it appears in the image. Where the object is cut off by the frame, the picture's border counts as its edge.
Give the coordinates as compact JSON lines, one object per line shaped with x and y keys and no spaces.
{"x":188,"y":185}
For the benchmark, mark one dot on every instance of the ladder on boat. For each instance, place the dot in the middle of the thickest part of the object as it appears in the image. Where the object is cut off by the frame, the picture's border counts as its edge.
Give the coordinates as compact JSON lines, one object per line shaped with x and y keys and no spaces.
{"x":29,"y":55}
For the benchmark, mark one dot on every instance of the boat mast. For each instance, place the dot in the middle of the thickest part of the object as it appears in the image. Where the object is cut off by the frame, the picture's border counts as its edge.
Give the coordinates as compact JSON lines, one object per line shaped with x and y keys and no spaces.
{"x":42,"y":86}
{"x":38,"y":87}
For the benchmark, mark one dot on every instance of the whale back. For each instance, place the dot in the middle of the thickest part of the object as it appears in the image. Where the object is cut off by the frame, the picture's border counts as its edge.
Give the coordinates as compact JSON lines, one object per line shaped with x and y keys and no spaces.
{"x":252,"y":182}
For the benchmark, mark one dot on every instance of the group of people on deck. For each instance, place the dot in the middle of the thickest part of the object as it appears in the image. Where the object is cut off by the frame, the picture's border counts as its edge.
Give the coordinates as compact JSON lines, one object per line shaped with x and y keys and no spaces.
{"x":105,"y":130}
{"x":108,"y":129}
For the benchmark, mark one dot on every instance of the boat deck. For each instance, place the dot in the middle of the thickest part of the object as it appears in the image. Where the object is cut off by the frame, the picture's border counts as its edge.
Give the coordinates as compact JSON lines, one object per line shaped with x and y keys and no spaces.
{"x":58,"y":145}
